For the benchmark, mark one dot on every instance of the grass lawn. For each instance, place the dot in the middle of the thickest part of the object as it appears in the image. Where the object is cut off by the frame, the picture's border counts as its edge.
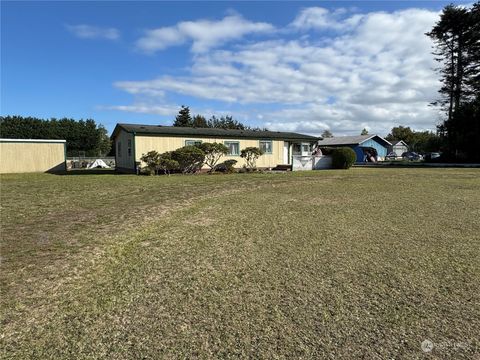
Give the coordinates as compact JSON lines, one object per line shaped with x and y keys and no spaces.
{"x":363,"y":263}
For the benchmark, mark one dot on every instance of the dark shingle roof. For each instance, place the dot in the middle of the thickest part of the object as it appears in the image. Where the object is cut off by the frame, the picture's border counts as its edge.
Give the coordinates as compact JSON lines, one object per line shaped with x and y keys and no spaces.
{"x":348,"y":140}
{"x":213,"y":132}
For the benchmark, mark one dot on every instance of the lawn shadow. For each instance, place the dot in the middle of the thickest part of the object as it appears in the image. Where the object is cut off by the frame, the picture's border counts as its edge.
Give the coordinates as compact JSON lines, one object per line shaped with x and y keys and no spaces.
{"x":89,"y":172}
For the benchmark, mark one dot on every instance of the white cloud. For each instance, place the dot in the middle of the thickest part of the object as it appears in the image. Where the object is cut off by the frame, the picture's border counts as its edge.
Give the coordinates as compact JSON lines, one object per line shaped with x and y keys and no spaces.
{"x":375,"y":73}
{"x":321,"y":18}
{"x":93,"y":32}
{"x":204,"y":34}
{"x":165,"y":110}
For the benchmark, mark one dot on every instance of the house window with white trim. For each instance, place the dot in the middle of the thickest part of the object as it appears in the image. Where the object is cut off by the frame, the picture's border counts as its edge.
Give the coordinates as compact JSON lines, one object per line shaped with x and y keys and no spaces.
{"x":266,"y":146}
{"x":192,"y":142}
{"x":233,"y":147}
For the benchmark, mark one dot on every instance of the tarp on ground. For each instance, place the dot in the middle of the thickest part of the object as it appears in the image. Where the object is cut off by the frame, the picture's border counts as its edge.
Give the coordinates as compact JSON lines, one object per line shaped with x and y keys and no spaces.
{"x":99,"y":163}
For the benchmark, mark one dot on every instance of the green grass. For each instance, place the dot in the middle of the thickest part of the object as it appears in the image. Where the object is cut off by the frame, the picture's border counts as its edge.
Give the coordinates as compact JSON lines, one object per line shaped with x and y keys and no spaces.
{"x":363,"y":263}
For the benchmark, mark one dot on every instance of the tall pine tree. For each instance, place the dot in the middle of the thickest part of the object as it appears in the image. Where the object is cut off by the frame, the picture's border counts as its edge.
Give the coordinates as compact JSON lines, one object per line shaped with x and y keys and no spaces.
{"x":457,"y":48}
{"x":183,"y":118}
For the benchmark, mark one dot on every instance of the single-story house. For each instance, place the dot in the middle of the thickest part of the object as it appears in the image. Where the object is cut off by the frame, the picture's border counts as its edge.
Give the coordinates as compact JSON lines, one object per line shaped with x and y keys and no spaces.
{"x":398,"y":147}
{"x":131,"y":141}
{"x":32,"y":155}
{"x":361,"y":144}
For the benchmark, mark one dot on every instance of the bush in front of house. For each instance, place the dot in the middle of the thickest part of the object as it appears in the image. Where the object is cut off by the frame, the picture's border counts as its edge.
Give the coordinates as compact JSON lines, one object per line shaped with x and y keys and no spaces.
{"x":251,"y":154}
{"x":213,"y":152}
{"x":228,"y":166}
{"x":190,"y":158}
{"x":167,"y":163}
{"x":151,"y":159}
{"x":343,"y":158}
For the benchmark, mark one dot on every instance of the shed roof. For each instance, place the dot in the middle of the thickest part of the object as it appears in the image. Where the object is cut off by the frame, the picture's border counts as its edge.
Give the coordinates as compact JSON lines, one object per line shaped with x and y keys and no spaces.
{"x":350,"y":140}
{"x":213,"y":132}
{"x":32,"y":140}
{"x":396,"y":142}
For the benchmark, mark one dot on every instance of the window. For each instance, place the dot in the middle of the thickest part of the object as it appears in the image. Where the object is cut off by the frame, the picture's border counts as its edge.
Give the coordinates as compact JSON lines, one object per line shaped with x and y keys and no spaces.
{"x":305,"y":148}
{"x":192,"y":142}
{"x":233,"y":147}
{"x":297,"y":149}
{"x":119,"y":149}
{"x":266,"y":146}
{"x":129,"y":147}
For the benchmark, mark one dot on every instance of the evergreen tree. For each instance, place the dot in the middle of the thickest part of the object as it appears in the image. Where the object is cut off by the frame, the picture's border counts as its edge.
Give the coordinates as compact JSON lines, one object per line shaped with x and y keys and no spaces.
{"x":226,"y":122}
{"x":364,"y":132}
{"x":457,"y":43}
{"x":199,"y":121}
{"x":183,"y":118}
{"x":84,"y":135}
{"x":454,"y":38}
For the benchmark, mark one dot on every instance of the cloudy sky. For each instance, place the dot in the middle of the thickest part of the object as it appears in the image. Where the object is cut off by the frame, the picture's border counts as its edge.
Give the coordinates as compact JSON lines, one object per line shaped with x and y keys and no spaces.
{"x":296,"y":66}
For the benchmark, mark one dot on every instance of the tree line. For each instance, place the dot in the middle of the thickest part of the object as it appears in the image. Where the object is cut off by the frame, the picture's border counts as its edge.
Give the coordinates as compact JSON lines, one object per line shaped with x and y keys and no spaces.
{"x":185,"y":119}
{"x":81,"y":136}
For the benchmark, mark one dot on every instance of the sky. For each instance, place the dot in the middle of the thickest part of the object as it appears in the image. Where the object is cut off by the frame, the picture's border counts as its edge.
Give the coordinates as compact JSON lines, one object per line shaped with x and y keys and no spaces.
{"x":287,"y":66}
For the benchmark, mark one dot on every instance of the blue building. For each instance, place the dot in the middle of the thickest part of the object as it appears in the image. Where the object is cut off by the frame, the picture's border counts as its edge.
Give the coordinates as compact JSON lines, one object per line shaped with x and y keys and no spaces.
{"x":367,"y":147}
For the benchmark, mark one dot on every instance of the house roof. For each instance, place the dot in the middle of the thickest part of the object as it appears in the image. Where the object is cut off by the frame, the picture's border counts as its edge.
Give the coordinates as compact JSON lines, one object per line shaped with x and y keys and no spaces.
{"x":211,"y":132}
{"x":396,"y":142}
{"x":350,"y":140}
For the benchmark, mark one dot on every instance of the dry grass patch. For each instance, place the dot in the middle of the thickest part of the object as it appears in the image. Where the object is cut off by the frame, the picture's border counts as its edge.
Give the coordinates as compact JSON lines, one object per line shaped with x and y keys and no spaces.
{"x":365,"y":263}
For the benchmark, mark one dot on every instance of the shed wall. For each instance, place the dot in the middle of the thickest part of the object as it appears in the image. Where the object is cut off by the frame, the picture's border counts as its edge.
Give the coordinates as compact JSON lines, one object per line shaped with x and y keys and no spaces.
{"x":124,"y":158}
{"x":24,"y":157}
{"x":381,"y":150}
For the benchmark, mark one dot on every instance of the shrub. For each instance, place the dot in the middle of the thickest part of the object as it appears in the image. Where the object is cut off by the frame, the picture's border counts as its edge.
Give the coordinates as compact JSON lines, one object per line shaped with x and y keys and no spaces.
{"x":213,"y":152}
{"x":251,"y":154}
{"x":167,"y":163}
{"x":343,"y":158}
{"x":190,"y":158}
{"x":227,"y":166}
{"x":152,"y":160}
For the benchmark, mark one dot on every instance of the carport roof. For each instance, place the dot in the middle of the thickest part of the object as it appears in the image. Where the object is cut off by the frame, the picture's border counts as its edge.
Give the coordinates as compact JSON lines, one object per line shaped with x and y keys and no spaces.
{"x":349,"y":140}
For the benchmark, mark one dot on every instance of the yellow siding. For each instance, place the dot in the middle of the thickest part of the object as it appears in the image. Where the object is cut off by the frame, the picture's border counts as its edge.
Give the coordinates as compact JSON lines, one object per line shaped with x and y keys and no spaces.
{"x":144,"y":144}
{"x":22,"y":157}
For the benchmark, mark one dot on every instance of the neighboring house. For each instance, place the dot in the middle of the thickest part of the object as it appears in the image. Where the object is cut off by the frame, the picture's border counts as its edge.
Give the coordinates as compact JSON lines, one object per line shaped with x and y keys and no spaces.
{"x":398,"y":147}
{"x":361,"y":144}
{"x":32,"y":155}
{"x":132,"y":141}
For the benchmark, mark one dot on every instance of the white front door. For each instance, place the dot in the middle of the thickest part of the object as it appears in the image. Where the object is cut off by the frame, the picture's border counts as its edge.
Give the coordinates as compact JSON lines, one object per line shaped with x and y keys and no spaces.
{"x":286,"y":157}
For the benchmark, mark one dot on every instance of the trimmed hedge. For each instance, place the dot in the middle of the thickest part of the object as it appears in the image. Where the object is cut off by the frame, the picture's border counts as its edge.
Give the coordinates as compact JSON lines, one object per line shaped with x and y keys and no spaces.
{"x":343,"y":158}
{"x":228,"y":166}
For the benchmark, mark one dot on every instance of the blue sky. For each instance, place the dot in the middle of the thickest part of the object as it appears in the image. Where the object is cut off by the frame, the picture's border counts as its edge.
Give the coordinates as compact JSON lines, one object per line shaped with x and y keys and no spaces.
{"x":296,"y":66}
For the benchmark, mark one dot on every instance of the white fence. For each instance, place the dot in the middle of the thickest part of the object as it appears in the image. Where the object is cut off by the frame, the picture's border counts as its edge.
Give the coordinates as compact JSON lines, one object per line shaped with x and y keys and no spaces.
{"x":311,"y":162}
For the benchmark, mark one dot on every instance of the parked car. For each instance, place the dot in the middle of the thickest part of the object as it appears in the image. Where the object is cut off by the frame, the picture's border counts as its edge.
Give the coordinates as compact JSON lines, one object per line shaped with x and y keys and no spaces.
{"x":391,"y":156}
{"x":411,"y":155}
{"x":433,"y":156}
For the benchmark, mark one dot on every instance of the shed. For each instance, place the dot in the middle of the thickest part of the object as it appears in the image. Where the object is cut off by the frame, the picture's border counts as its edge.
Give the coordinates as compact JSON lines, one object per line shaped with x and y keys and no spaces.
{"x":32,"y":155}
{"x":133,"y":140}
{"x":361,"y":144}
{"x":398,"y":147}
